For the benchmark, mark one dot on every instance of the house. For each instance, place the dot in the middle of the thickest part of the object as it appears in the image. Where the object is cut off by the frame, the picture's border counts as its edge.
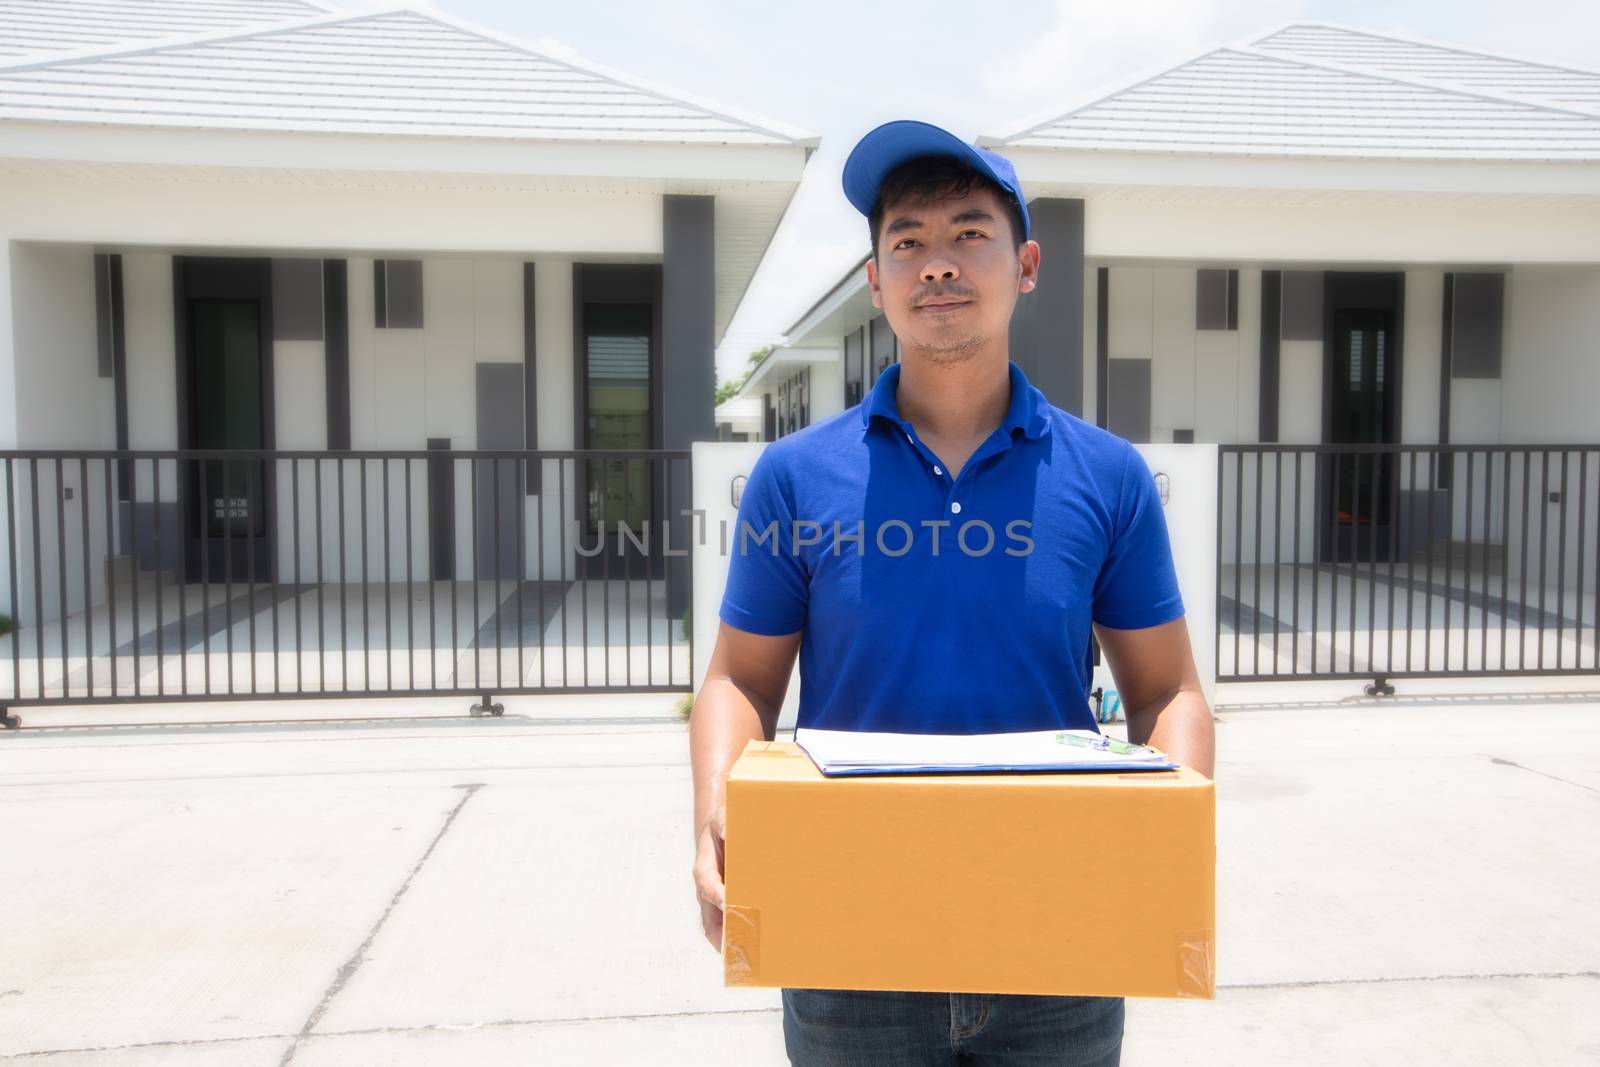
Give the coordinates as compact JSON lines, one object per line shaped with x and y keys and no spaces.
{"x":1366,"y":267}
{"x":343,"y":308}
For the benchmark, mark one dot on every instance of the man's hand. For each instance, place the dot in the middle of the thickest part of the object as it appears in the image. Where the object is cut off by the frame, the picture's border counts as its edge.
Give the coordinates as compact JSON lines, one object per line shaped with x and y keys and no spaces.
{"x":738,"y":703}
{"x":708,"y":874}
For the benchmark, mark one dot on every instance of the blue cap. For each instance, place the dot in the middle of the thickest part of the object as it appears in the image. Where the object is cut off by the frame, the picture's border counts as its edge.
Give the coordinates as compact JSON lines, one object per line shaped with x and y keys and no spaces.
{"x":891,"y":144}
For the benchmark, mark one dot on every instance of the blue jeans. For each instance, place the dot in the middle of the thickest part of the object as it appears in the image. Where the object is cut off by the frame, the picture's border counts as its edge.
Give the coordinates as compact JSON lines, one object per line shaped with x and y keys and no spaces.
{"x":861,"y":1028}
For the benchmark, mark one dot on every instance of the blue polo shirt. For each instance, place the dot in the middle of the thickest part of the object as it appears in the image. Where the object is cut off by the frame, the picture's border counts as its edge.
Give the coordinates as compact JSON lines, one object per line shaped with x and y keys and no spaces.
{"x":932,"y":604}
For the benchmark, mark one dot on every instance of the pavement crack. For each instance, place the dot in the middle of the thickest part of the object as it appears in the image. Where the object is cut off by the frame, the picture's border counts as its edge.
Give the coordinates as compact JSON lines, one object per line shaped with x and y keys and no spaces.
{"x":353,"y":964}
{"x":1552,"y":777}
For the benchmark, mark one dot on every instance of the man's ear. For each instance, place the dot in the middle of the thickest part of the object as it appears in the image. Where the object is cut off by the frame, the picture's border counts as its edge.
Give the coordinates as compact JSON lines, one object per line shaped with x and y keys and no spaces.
{"x":1028,"y":258}
{"x":872,"y":282}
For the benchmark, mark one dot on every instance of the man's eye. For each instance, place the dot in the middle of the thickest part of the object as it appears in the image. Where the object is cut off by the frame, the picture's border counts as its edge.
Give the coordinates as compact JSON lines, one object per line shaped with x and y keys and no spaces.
{"x":905,"y":241}
{"x":973,"y":233}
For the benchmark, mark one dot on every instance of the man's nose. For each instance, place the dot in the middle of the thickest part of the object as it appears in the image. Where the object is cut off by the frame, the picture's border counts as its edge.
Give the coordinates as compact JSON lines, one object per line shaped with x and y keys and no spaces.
{"x":937,"y":270}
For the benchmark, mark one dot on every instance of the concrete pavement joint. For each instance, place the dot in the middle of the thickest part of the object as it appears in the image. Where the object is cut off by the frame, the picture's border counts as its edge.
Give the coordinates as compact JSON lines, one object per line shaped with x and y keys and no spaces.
{"x":346,"y":772}
{"x":1552,"y":777}
{"x":1318,"y":983}
{"x":353,"y":964}
{"x":380,"y":1030}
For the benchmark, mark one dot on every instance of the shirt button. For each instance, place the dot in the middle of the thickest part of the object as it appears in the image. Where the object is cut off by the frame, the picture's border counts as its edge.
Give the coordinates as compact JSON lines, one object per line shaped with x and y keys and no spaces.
{"x":936,"y":470}
{"x":955,"y":506}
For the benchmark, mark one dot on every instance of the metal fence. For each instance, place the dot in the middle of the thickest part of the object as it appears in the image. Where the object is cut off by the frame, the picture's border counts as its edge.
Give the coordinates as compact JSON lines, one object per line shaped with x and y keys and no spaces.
{"x":252,"y":574}
{"x":1401,"y":561}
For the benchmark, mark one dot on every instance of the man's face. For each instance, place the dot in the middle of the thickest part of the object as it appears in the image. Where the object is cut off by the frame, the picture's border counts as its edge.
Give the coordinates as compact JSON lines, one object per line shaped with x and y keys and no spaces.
{"x":948,"y":272}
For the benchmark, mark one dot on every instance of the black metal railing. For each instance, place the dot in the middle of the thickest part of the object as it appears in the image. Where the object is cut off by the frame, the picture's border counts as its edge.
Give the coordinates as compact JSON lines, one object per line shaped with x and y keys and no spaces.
{"x":242,"y":574}
{"x":1401,"y":561}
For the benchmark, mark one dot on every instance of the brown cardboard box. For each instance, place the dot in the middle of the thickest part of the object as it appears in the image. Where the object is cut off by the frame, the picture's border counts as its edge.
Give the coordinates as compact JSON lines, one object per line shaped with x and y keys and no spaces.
{"x":1086,"y":884}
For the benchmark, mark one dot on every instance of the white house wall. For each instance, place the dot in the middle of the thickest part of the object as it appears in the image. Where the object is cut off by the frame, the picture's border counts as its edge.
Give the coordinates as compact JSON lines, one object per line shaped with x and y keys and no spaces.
{"x":406,"y":386}
{"x":1550,"y":377}
{"x":66,"y":404}
{"x":1344,"y":228}
{"x":364,"y":215}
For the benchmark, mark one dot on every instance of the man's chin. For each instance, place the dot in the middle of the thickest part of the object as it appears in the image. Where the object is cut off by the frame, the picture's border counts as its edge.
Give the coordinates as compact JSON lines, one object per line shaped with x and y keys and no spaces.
{"x":947,"y":347}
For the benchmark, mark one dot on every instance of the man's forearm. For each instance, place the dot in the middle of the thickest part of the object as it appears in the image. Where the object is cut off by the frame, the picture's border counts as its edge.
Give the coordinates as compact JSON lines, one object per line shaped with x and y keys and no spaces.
{"x":724,"y":720}
{"x":1180,"y":726}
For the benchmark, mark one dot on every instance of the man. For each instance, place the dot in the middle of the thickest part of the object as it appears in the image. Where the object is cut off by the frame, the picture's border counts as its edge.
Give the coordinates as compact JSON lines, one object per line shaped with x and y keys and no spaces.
{"x":901,"y":621}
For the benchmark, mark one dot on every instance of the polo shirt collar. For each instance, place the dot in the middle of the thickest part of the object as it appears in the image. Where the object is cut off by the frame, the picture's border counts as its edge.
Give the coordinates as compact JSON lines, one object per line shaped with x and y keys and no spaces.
{"x":1028,"y":409}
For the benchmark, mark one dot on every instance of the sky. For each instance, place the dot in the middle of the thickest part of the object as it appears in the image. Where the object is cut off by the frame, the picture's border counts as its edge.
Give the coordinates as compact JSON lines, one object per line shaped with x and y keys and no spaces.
{"x":840,"y":68}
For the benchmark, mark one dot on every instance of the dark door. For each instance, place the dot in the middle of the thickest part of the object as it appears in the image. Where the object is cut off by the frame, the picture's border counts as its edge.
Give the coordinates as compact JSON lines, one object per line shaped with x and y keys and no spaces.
{"x":617,"y":499}
{"x":227,"y":410}
{"x":1361,"y":406}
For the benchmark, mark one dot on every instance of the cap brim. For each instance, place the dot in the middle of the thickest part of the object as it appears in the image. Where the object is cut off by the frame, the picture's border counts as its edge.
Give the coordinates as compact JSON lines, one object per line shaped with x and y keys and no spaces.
{"x":890,"y":145}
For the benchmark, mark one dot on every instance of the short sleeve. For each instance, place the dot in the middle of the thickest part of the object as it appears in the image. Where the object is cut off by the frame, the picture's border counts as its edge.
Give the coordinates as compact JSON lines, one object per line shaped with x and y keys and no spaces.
{"x":1138,"y":584}
{"x":768,"y":588}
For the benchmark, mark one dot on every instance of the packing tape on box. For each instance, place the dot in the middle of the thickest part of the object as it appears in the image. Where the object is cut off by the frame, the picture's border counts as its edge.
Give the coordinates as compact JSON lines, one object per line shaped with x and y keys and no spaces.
{"x":741,"y":941}
{"x":1197,"y":965}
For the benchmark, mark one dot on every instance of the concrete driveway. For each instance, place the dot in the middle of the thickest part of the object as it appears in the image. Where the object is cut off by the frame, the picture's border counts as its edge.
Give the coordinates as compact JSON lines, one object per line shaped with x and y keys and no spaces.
{"x":1411,"y":882}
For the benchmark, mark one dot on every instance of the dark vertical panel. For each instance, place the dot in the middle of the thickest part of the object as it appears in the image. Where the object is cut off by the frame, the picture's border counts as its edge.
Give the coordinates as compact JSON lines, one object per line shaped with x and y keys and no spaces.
{"x":769,"y":419}
{"x":881,"y":336}
{"x":1102,"y":346}
{"x":336,"y":350}
{"x":869,"y":360}
{"x":1232,"y":320}
{"x":404,"y":299}
{"x":1479,"y":325}
{"x":1271,"y":368}
{"x":119,"y":374}
{"x":499,"y":426}
{"x":1302,"y":305}
{"x":688,"y":367}
{"x":530,"y":385}
{"x":1210,"y":299}
{"x":380,"y":294}
{"x":297,"y":300}
{"x":853,"y":378}
{"x":1446,"y":355}
{"x":441,"y":510}
{"x":1047,"y":324}
{"x":1130,"y":399}
{"x":688,"y":320}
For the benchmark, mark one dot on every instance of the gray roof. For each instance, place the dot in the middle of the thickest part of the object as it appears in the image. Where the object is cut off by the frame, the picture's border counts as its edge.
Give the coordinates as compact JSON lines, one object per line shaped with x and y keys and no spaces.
{"x":397,"y":71}
{"x":36,"y":27}
{"x":1327,"y":91}
{"x":1438,"y":63}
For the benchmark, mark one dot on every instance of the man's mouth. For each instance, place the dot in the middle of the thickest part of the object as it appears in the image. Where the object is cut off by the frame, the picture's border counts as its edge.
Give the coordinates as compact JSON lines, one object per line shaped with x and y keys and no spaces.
{"x":942,"y":304}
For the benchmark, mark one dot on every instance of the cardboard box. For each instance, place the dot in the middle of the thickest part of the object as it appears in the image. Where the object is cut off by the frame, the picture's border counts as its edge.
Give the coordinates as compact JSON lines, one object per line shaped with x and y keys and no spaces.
{"x":1085,"y":884}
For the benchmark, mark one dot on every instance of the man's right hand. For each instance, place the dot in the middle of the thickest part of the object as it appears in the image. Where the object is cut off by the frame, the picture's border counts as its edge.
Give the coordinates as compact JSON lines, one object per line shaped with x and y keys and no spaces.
{"x":708,"y":874}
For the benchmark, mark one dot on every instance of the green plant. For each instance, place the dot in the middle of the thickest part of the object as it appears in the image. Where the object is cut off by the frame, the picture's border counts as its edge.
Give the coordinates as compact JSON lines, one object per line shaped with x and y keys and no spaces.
{"x":685,"y":705}
{"x":727,"y":389}
{"x":6,"y":625}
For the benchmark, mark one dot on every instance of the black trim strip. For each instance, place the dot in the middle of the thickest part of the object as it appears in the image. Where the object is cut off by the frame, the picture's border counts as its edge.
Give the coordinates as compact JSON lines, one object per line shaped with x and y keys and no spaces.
{"x":530,"y":383}
{"x":441,"y":510}
{"x":336,"y":349}
{"x":1446,"y":355}
{"x":1102,"y":347}
{"x":380,"y":294}
{"x":1271,"y":350}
